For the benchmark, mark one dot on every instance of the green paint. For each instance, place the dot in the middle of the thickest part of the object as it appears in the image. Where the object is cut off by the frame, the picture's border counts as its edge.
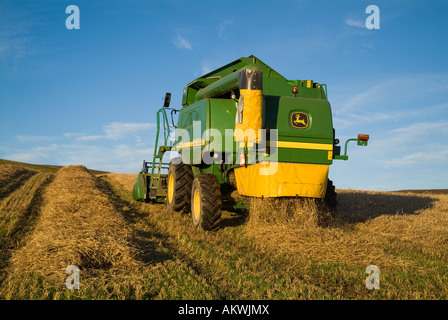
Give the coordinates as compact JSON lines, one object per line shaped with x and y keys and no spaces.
{"x":210,"y":102}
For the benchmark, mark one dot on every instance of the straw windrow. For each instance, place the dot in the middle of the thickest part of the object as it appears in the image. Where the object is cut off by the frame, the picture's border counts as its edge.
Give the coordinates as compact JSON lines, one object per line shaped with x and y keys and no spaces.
{"x":12,"y":177}
{"x":77,"y":226}
{"x":281,"y":249}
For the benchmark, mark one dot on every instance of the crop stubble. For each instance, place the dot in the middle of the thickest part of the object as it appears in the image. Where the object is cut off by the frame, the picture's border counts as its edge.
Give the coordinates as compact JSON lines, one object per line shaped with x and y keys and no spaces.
{"x":276,"y":250}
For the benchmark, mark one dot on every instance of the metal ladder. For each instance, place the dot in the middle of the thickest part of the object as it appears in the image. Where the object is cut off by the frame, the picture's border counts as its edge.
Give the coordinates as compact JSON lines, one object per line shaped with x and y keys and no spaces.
{"x":157,"y":162}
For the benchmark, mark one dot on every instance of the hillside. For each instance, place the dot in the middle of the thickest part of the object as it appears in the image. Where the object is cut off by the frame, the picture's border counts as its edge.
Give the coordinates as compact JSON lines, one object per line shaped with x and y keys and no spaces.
{"x":40,"y":167}
{"x":51,"y":218}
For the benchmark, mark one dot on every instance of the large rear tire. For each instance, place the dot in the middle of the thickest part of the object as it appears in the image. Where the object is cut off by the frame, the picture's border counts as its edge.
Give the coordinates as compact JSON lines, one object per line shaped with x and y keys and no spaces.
{"x":179,"y":182}
{"x":206,"y":201}
{"x":330,"y":200}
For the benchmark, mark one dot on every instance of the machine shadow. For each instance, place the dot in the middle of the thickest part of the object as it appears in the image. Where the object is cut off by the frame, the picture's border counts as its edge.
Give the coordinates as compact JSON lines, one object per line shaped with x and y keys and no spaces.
{"x":356,"y":207}
{"x":233,"y":214}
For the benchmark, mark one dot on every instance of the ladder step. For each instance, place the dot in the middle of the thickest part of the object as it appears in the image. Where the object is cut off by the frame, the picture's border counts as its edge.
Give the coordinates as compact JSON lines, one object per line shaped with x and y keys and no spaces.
{"x":153,"y":193}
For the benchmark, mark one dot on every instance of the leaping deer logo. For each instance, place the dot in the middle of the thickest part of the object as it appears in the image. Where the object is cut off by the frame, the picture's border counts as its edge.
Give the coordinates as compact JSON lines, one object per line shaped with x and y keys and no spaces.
{"x":299,"y":120}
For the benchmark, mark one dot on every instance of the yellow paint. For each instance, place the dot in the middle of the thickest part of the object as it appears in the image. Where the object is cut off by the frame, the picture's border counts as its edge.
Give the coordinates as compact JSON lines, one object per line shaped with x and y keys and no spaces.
{"x":250,"y":145}
{"x":195,"y":143}
{"x":196,"y":204}
{"x":252,"y":116}
{"x":298,"y":123}
{"x":301,"y":145}
{"x":170,"y":188}
{"x":282,"y":179}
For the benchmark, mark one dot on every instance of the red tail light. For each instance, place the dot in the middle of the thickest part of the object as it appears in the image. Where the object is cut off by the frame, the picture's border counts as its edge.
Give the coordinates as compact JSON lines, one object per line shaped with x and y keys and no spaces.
{"x":363,"y":137}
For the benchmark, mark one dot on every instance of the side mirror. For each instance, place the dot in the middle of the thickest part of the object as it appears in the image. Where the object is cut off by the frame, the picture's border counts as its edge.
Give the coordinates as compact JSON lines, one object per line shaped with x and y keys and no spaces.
{"x":166,"y":104}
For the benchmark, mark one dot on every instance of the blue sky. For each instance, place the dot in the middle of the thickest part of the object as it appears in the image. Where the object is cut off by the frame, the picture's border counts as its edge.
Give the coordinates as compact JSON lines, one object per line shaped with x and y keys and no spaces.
{"x":89,"y":96}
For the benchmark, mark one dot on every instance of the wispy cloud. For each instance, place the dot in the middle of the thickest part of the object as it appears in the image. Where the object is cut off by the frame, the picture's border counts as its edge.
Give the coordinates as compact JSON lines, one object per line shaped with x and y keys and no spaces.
{"x":419,"y":143}
{"x":410,"y":156}
{"x":120,"y":148}
{"x":378,"y":117}
{"x":384,"y":94}
{"x":35,"y":139}
{"x":118,"y":158}
{"x":355,"y":23}
{"x":119,"y":130}
{"x":182,"y":43}
{"x":437,"y":156}
{"x":223,"y":26}
{"x":14,"y":49}
{"x":205,"y":68}
{"x":17,"y":33}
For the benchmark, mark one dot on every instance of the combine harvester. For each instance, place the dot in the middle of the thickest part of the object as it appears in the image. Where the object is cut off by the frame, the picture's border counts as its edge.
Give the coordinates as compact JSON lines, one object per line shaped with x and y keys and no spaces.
{"x":243,"y":125}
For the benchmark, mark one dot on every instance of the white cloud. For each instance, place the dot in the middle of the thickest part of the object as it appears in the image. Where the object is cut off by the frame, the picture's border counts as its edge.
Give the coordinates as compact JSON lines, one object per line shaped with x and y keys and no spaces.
{"x":22,"y":156}
{"x":182,"y":43}
{"x":119,"y":130}
{"x":91,"y":138}
{"x":17,"y":39}
{"x":205,"y":68}
{"x":420,"y":144}
{"x":36,"y":154}
{"x":437,"y":156}
{"x":342,"y":123}
{"x":375,"y":117}
{"x":121,"y":148}
{"x":14,"y":49}
{"x":35,"y":139}
{"x":384,"y":96}
{"x":413,"y":155}
{"x":355,"y":23}
{"x":126,"y":158}
{"x":421,"y":130}
{"x":116,"y":158}
{"x":72,"y":135}
{"x":223,"y":26}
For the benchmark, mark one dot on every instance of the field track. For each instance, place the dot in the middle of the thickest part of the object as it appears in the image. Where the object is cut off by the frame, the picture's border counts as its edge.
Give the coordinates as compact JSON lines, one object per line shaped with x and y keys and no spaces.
{"x":51,"y":218}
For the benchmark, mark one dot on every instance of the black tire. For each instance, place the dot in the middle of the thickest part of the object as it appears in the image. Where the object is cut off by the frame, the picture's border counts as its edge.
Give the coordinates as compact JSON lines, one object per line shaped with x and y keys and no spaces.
{"x":179,"y":182}
{"x":330,"y":199}
{"x":206,"y":201}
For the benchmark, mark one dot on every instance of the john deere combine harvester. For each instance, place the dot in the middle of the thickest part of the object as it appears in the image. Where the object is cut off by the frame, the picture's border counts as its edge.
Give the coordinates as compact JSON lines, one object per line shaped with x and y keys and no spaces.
{"x":242,"y":125}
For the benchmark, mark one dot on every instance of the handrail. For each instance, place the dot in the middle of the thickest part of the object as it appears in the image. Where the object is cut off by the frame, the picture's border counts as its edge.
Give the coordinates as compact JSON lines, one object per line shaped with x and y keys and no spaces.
{"x":162,"y":118}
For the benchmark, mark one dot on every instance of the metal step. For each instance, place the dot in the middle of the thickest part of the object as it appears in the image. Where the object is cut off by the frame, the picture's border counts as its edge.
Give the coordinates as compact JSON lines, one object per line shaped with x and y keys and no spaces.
{"x":152,"y":193}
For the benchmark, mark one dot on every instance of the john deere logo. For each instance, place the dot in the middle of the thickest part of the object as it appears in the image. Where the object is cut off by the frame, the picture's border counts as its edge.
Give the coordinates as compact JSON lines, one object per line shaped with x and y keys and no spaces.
{"x":299,"y":120}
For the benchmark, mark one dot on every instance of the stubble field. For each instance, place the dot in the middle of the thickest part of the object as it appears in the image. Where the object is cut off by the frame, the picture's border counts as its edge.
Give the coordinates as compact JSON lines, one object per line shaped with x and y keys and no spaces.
{"x":51,"y":218}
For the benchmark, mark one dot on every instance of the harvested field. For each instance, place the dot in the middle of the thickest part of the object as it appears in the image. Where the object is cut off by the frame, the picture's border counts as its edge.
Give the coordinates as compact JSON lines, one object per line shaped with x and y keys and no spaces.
{"x":274,"y":250}
{"x":77,"y":226}
{"x":127,"y":180}
{"x":294,"y":229}
{"x":11,"y":177}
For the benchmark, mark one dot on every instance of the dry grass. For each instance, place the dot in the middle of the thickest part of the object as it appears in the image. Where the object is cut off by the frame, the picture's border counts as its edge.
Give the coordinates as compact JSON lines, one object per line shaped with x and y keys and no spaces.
{"x":306,"y":231}
{"x":77,"y":226}
{"x":127,"y":180}
{"x":405,"y":235}
{"x":8,"y":172}
{"x":366,"y":220}
{"x":293,"y":249}
{"x":281,"y":249}
{"x":18,"y":208}
{"x":11,"y":177}
{"x":41,"y":167}
{"x":419,"y":222}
